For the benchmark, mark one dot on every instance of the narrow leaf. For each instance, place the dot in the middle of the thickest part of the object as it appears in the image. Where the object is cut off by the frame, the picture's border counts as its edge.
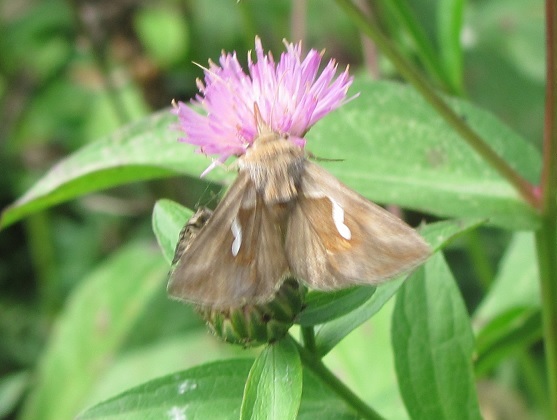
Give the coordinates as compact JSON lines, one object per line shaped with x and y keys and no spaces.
{"x":449,"y":27}
{"x":320,"y":402}
{"x":510,"y":332}
{"x":423,"y":47}
{"x":99,"y":316}
{"x":370,"y":373}
{"x":274,"y":386}
{"x":323,"y":307}
{"x":145,"y":149}
{"x":163,"y":357}
{"x":12,"y":389}
{"x":516,"y":284}
{"x":211,"y":391}
{"x":509,"y":317}
{"x":433,"y":345}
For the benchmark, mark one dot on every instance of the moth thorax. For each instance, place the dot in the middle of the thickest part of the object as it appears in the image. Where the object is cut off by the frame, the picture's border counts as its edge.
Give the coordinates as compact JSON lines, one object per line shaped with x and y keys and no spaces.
{"x":275,"y":166}
{"x":267,"y":136}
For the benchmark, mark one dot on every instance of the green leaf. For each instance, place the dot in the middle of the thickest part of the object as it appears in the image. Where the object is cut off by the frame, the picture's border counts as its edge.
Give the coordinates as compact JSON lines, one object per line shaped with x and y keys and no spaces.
{"x":330,"y":334}
{"x":520,"y":43}
{"x":210,"y":391}
{"x":406,"y":19}
{"x":99,"y":316}
{"x":396,"y":149}
{"x":433,"y":345}
{"x":169,"y":218}
{"x":450,"y":19}
{"x":516,"y":284}
{"x":274,"y":386}
{"x":508,"y":333}
{"x":364,"y":360}
{"x":12,"y":389}
{"x":143,"y":150}
{"x":160,"y":358}
{"x":394,"y":146}
{"x":509,"y":317}
{"x":441,"y":234}
{"x":320,"y":402}
{"x":321,"y":307}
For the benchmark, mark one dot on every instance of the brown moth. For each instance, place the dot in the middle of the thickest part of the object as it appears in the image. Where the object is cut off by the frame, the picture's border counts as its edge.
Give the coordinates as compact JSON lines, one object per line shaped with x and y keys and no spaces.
{"x":286,"y":216}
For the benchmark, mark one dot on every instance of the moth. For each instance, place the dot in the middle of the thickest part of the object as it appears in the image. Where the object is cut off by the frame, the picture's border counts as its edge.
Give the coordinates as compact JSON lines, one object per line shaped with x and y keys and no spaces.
{"x":286,"y":216}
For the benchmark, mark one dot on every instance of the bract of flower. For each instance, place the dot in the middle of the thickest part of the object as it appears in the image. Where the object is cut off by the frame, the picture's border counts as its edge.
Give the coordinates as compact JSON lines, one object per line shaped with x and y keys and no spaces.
{"x":291,"y":96}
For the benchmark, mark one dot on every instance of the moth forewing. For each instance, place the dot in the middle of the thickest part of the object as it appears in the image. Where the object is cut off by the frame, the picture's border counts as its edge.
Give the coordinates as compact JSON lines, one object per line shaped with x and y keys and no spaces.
{"x":337,"y":238}
{"x":236,"y":258}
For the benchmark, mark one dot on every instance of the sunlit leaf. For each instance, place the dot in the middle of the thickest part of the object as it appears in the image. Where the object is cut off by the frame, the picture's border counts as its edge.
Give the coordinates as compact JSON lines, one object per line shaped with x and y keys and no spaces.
{"x":433,"y":346}
{"x":274,"y":386}
{"x":92,"y":328}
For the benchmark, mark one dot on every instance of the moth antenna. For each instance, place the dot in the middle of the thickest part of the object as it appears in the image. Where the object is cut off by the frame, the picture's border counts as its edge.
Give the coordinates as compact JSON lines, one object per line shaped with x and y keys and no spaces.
{"x":209,"y":198}
{"x":321,"y":159}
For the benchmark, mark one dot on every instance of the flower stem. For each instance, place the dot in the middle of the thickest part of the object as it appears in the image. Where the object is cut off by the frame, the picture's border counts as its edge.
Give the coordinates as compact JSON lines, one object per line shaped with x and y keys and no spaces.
{"x":407,"y":70}
{"x":317,"y":366}
{"x":308,"y":337}
{"x":546,"y":237}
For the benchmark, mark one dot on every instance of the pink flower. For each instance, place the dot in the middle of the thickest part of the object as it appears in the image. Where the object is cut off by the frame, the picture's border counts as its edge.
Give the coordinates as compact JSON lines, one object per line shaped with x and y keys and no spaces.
{"x":291,"y":97}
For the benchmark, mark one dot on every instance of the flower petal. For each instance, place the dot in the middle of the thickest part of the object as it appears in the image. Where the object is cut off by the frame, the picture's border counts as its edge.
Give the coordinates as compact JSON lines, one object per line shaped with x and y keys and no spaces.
{"x":291,"y":97}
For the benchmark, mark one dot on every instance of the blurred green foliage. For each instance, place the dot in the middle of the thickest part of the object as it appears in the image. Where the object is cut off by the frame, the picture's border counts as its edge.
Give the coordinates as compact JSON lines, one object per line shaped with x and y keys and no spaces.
{"x":74,"y":72}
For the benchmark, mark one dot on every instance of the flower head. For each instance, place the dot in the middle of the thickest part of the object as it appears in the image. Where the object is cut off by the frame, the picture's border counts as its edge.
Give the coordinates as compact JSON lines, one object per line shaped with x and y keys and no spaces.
{"x":290,"y":95}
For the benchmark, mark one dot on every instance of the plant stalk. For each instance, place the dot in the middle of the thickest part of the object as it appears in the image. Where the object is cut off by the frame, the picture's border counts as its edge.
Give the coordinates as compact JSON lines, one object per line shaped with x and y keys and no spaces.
{"x":546,"y":237}
{"x":308,"y":338}
{"x":317,"y":366}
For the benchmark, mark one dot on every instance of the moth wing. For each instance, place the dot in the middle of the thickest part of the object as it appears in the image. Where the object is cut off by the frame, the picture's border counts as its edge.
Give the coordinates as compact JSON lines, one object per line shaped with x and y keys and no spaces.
{"x":337,"y":238}
{"x":236,"y":258}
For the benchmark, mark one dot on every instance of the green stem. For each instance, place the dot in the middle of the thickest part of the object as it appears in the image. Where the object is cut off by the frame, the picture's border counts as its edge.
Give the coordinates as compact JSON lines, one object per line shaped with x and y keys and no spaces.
{"x":546,"y":241}
{"x":308,"y":337}
{"x":415,"y":78}
{"x":479,"y":257}
{"x":317,"y":366}
{"x":534,"y":380}
{"x":546,"y":237}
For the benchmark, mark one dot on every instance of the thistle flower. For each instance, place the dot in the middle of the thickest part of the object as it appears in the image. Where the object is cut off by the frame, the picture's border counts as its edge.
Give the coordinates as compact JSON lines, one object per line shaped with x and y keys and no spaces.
{"x":290,"y":95}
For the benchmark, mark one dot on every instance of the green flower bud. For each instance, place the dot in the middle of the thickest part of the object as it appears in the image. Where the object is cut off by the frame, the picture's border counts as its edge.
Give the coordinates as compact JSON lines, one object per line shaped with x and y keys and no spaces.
{"x":256,"y":324}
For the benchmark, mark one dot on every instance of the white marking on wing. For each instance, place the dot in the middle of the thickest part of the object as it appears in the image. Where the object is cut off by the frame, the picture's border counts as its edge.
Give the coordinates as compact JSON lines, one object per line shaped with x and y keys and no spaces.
{"x":338,"y":218}
{"x":237,"y":232}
